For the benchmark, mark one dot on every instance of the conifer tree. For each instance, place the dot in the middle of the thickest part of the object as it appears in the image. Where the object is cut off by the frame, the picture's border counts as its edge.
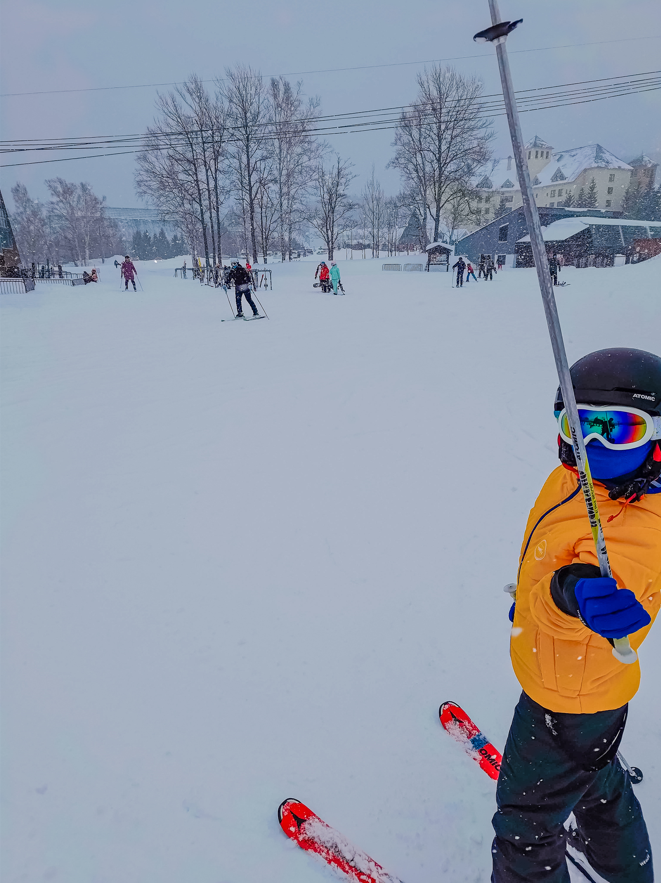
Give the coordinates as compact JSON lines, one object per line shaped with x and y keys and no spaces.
{"x":591,"y":197}
{"x":569,"y":200}
{"x":580,"y":199}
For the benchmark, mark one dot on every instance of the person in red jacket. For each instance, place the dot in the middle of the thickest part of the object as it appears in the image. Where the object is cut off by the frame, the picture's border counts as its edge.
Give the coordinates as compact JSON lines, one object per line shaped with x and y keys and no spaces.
{"x":324,"y":277}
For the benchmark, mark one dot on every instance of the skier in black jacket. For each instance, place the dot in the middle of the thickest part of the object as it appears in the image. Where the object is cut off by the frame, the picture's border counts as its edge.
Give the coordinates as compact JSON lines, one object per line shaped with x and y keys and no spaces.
{"x":241,"y":279}
{"x":460,"y":266}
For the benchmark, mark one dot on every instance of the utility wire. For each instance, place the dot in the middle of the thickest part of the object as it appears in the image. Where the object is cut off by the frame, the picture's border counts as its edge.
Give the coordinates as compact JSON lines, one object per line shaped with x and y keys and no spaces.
{"x":348,"y":129}
{"x":334,"y":69}
{"x":486,"y":107}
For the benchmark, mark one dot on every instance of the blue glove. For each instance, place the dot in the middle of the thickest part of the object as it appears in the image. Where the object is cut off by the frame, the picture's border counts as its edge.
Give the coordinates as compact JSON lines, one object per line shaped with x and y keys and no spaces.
{"x":511,"y":613}
{"x":607,"y":610}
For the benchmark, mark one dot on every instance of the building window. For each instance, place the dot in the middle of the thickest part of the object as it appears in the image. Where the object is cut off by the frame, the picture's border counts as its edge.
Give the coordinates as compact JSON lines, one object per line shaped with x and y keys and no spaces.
{"x":487,"y":199}
{"x":611,"y":178}
{"x":486,"y":211}
{"x":547,"y":154}
{"x":537,"y":154}
{"x":508,"y":198}
{"x":502,"y":233}
{"x":560,"y":192}
{"x":610,"y":190}
{"x":552,"y":193}
{"x":551,"y":205}
{"x":608,"y":203}
{"x":529,"y":152}
{"x":479,"y":199}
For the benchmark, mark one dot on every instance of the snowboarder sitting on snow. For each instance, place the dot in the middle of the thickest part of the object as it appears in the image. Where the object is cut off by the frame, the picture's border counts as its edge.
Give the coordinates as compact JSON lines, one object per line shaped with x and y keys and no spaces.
{"x":90,"y":277}
{"x":335,"y":276}
{"x":324,"y":277}
{"x":128,"y":273}
{"x":241,"y":279}
{"x":460,"y":266}
{"x":561,"y":752}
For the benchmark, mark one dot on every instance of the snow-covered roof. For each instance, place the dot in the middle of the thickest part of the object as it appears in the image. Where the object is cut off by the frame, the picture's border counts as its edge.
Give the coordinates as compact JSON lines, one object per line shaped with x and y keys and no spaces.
{"x":434,"y":244}
{"x":567,"y":227}
{"x":564,"y":165}
{"x":642,"y":160}
{"x":538,"y":142}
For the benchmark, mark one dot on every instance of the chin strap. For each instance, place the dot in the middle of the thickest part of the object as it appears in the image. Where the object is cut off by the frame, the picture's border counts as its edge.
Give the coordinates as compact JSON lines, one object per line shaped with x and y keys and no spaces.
{"x":633,"y":487}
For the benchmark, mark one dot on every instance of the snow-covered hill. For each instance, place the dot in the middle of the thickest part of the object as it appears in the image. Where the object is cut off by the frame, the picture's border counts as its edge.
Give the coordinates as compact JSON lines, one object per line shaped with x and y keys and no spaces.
{"x":247,"y":561}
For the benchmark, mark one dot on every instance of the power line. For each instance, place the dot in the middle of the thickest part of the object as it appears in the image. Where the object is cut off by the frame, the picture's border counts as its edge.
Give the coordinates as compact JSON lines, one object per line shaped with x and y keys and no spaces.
{"x":353,"y":127}
{"x":333,"y":69}
{"x":523,"y":96}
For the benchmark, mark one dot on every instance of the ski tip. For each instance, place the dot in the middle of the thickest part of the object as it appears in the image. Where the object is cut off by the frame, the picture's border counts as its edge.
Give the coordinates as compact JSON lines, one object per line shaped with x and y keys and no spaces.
{"x":284,"y":806}
{"x":446,"y":707}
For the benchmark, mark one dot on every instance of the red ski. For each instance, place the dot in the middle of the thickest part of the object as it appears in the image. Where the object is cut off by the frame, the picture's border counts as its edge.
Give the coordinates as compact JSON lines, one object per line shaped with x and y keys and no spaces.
{"x":458,"y":724}
{"x":312,"y":834}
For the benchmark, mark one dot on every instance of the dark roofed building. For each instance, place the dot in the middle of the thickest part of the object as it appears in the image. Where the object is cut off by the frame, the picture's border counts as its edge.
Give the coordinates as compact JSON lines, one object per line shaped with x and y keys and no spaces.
{"x":500,"y":237}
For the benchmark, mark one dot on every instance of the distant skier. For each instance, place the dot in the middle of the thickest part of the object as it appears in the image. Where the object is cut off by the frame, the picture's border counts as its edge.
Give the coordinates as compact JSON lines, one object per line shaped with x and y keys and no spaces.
{"x":241,"y":279}
{"x":554,"y":268}
{"x":335,"y":276}
{"x":183,"y":269}
{"x":481,"y":267}
{"x":561,"y":752}
{"x":460,"y":266}
{"x":489,"y":269}
{"x":470,"y":272}
{"x":128,"y":272}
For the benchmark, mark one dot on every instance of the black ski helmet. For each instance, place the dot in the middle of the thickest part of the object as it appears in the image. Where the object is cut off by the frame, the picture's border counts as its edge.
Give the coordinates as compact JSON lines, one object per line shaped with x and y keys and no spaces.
{"x":617,"y":376}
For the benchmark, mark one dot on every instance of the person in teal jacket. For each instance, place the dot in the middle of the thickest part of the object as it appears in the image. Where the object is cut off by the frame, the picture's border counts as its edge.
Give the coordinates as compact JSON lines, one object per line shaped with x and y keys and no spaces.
{"x":335,"y":276}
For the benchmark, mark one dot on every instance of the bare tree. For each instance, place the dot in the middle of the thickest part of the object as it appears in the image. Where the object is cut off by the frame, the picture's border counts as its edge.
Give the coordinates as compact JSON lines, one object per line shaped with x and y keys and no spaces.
{"x":247,"y":109}
{"x":78,"y":218}
{"x":441,"y":140}
{"x":458,"y":212}
{"x":173,"y":168}
{"x":295,"y":154}
{"x":331,"y":215}
{"x":373,"y":207}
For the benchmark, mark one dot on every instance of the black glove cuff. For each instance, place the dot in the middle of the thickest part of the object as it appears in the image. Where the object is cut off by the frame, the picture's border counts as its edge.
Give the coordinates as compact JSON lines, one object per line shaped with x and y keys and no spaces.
{"x":563,"y":585}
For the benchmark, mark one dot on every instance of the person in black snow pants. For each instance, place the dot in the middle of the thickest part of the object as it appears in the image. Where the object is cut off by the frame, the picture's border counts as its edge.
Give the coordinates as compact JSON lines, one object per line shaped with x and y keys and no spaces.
{"x":460,"y":266}
{"x":489,"y":269}
{"x":554,"y":268}
{"x":241,"y":279}
{"x":480,"y":267}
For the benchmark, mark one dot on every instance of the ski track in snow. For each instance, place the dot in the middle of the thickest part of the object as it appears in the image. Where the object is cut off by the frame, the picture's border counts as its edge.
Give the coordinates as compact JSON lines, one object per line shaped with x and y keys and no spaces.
{"x":245,"y":561}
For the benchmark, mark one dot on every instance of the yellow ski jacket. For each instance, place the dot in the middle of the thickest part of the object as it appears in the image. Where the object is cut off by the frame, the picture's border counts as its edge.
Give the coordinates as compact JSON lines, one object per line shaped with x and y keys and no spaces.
{"x":560,"y":663}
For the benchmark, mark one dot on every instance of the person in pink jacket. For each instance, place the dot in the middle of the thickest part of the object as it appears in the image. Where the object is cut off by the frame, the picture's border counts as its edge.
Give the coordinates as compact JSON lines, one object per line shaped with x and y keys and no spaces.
{"x":128,"y":273}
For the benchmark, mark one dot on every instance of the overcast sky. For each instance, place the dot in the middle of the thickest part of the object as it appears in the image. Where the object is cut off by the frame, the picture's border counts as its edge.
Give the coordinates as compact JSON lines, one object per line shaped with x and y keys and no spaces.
{"x":87,"y":44}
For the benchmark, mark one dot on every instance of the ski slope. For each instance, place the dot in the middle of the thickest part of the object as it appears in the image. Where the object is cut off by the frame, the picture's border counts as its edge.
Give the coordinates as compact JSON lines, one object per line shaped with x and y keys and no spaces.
{"x":247,"y":561}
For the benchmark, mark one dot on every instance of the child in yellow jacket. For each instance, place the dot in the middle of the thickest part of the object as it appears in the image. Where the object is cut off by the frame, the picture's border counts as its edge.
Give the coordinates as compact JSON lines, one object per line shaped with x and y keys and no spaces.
{"x":561,"y":752}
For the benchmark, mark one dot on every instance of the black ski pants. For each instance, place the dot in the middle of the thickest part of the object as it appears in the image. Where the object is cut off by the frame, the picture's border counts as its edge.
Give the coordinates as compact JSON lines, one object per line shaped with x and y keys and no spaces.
{"x":488,"y":274}
{"x":244,"y":290}
{"x":555,"y":764}
{"x":460,"y":278}
{"x":126,"y":287}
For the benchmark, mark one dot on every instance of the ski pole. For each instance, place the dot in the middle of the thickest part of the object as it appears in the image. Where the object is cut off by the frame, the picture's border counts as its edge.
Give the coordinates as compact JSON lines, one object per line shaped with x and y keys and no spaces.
{"x":260,"y":303}
{"x":635,"y":774}
{"x":497,"y":34}
{"x":228,"y":300}
{"x":139,"y":282}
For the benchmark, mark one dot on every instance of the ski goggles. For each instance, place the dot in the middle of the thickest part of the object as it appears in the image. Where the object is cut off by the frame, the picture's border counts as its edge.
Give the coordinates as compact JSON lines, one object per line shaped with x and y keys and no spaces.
{"x":618,"y":428}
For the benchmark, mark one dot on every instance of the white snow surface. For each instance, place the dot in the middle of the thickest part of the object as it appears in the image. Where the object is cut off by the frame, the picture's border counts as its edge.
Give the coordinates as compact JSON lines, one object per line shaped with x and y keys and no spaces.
{"x":248,"y":561}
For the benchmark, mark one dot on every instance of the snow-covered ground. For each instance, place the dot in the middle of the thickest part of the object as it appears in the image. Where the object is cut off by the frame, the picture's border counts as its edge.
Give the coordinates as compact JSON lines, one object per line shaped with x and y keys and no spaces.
{"x":247,"y":561}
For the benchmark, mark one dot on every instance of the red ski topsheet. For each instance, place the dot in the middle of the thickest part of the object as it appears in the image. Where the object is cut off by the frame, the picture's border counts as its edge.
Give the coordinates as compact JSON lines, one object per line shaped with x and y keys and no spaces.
{"x":457,"y":723}
{"x":314,"y":835}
